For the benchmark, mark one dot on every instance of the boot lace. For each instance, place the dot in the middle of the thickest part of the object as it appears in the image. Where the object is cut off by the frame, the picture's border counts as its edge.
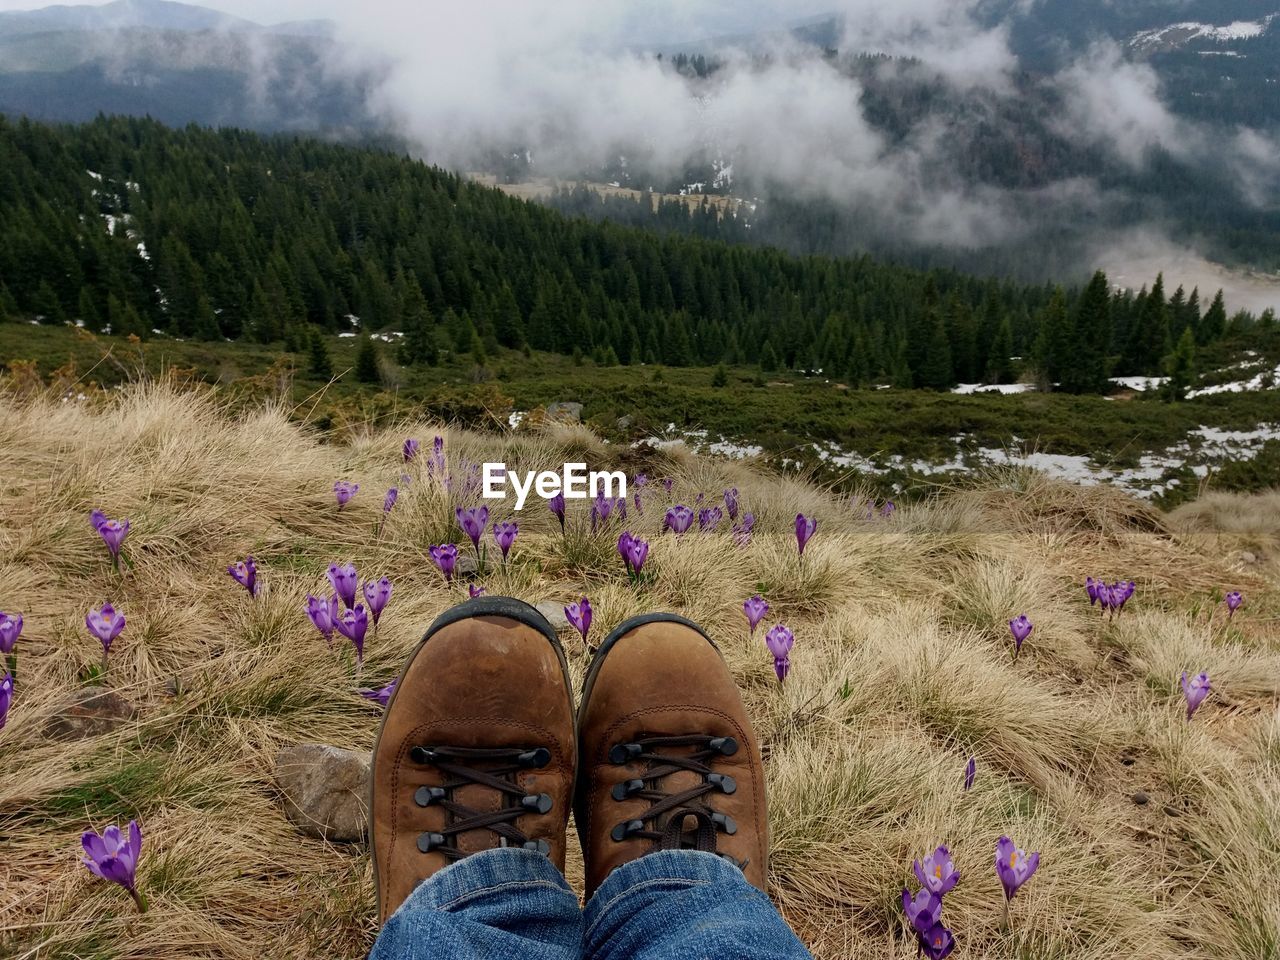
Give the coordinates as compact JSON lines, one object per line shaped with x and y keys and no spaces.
{"x":495,"y":768}
{"x":670,"y":834}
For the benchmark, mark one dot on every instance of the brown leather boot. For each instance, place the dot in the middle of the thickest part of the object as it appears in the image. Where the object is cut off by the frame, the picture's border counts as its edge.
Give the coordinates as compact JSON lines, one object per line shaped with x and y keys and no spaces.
{"x":668,"y":757}
{"x":477,"y":747}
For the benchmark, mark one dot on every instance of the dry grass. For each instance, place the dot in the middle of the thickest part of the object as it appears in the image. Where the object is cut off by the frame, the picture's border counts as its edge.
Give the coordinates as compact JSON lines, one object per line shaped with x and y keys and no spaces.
{"x":902,"y":670}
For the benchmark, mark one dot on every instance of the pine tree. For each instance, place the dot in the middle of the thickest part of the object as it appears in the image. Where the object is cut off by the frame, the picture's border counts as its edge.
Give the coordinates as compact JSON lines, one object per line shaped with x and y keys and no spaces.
{"x":721,"y":376}
{"x":1214,"y":323}
{"x":87,"y":311}
{"x":321,"y":365}
{"x":1056,"y":341}
{"x":1091,"y":342}
{"x":1180,"y":368}
{"x":1000,"y":362}
{"x":419,"y":343}
{"x":367,"y":369}
{"x":936,"y":372}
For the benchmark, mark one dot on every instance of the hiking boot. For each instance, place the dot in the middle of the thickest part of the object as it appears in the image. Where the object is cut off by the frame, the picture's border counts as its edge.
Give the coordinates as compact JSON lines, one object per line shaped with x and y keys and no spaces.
{"x":668,"y":759}
{"x":476,"y":748}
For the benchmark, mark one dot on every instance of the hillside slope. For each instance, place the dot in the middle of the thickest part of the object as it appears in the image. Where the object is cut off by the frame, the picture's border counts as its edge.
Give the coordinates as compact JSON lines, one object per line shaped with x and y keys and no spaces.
{"x":901,"y":671}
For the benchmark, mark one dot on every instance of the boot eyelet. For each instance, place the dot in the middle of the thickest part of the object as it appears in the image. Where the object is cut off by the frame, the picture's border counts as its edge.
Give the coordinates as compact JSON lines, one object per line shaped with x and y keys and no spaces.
{"x":625,"y":829}
{"x":426,"y":796}
{"x":422,"y":755}
{"x":429,"y":841}
{"x":621,"y":791}
{"x":725,"y":745}
{"x":724,"y":822}
{"x":537,"y":802}
{"x":725,"y":782}
{"x":538,"y":846}
{"x":538,"y":757}
{"x":621,"y":753}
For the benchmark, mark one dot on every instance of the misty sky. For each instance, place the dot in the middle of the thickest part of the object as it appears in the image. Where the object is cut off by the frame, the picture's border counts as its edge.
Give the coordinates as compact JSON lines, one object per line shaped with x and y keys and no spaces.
{"x":645,"y":20}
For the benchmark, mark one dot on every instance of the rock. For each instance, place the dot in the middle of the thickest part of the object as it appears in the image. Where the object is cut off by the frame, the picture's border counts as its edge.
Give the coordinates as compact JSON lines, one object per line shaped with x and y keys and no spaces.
{"x":325,"y":790}
{"x":466,"y":565}
{"x":624,"y":422}
{"x":554,"y":612}
{"x":567,"y":411}
{"x":89,"y":712}
{"x":1249,"y":556}
{"x":1172,"y":811}
{"x":1141,"y":798}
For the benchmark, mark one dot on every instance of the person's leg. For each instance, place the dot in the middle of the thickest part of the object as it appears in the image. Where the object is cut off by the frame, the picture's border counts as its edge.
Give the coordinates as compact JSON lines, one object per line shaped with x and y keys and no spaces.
{"x":471,"y":785}
{"x":499,"y":903}
{"x":670,"y":805}
{"x":679,"y":904}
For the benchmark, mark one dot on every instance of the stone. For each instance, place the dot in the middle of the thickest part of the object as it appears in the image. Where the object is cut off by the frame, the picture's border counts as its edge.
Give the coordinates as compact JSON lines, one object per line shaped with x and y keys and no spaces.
{"x":466,"y":565}
{"x":89,"y":712}
{"x":565,"y":410}
{"x":554,"y":612}
{"x":1141,"y":798}
{"x":325,"y":790}
{"x":1249,"y":556}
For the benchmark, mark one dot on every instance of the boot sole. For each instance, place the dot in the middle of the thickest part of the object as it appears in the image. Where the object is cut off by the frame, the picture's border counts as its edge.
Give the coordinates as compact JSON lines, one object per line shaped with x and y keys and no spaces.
{"x":506,"y":607}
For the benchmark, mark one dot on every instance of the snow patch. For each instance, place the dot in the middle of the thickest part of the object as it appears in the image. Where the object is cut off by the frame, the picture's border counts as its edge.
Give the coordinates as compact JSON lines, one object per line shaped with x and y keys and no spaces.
{"x":1005,"y":388}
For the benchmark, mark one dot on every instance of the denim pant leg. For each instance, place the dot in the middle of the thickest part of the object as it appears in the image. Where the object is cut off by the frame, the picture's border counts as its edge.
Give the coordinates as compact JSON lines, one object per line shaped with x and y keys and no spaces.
{"x":685,"y":905}
{"x":500,"y":903}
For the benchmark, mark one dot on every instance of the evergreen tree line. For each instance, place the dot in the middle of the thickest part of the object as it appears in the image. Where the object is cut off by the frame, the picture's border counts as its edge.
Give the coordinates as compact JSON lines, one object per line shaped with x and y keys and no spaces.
{"x":227,"y":235}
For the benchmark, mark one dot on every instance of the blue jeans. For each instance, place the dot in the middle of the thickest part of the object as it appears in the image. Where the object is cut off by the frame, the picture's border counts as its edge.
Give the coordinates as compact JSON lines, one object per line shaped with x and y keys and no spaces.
{"x":515,"y":905}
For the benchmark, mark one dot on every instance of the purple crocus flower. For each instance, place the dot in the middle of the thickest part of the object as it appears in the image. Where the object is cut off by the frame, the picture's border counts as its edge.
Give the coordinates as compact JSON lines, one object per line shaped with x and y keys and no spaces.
{"x":10,"y":630}
{"x":600,"y":510}
{"x":678,"y":519}
{"x":389,"y":503}
{"x":806,"y":527}
{"x":755,"y":608}
{"x":937,"y":873}
{"x":344,"y":580}
{"x":353,"y":625}
{"x":474,"y":591}
{"x":923,"y":911}
{"x":639,"y":503}
{"x":505,"y":535}
{"x":323,"y":614}
{"x":1195,"y":690}
{"x":114,"y":857}
{"x":446,"y":558}
{"x":1021,"y":628}
{"x":579,"y":615}
{"x":1123,"y":591}
{"x":344,"y":490}
{"x":112,"y":532}
{"x":410,"y":450}
{"x":1091,"y":588}
{"x":376,"y":595}
{"x":668,"y":483}
{"x":731,"y":502}
{"x":641,"y":481}
{"x":889,"y":509}
{"x":634,"y":552}
{"x":6,"y":697}
{"x":1234,"y":600}
{"x":742,"y":531}
{"x":472,"y":521}
{"x":245,"y":573}
{"x":556,"y":506}
{"x":105,"y":623}
{"x":381,"y":696}
{"x":1014,"y":866}
{"x":436,"y":464}
{"x":709,"y":517}
{"x":938,"y":943}
{"x":779,"y":640}
{"x":970,"y":770}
